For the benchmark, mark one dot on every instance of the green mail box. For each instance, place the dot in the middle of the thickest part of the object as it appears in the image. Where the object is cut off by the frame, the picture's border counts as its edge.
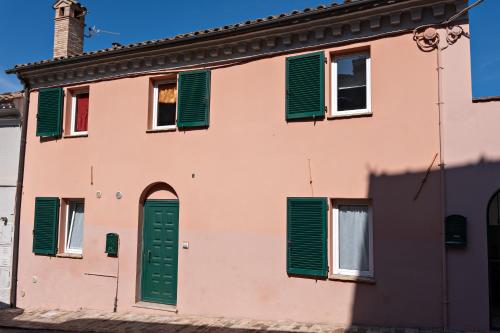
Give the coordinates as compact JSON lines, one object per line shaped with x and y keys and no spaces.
{"x":112,"y":244}
{"x":456,"y":231}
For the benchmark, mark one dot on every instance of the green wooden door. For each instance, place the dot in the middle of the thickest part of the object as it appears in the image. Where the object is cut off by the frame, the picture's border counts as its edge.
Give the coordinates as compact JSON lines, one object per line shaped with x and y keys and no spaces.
{"x":159,"y":253}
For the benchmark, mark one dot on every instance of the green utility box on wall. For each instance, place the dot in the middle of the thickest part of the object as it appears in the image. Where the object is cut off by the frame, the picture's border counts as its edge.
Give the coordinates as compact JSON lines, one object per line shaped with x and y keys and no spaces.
{"x":112,"y":244}
{"x":456,"y":231}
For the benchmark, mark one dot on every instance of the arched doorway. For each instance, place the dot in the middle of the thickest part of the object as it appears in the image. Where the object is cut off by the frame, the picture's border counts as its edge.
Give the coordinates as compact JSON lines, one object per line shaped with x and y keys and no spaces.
{"x":159,"y":239}
{"x":494,"y":259}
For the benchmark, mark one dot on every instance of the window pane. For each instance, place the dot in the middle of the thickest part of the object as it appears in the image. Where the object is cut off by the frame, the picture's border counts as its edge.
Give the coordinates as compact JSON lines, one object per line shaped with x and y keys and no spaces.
{"x":351,"y":82}
{"x":353,"y":237}
{"x":75,"y":228}
{"x":82,"y":112}
{"x":167,"y":104}
{"x":352,"y":99}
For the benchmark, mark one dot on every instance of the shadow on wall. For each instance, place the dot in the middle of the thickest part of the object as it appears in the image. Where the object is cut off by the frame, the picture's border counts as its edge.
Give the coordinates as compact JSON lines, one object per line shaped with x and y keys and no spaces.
{"x":407,"y":250}
{"x":406,"y":291}
{"x":407,"y":230}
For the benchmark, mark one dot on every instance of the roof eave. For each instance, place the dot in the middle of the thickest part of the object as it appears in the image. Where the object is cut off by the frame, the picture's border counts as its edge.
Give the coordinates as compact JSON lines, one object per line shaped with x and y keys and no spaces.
{"x":280,"y":21}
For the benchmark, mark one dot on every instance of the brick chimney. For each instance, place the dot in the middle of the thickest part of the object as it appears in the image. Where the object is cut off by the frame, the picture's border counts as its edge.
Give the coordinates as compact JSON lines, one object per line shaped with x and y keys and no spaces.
{"x":69,"y":24}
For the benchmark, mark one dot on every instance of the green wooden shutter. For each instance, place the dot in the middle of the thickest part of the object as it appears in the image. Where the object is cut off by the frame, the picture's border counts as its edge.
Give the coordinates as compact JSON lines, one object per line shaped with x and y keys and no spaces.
{"x":49,"y":117}
{"x":46,"y":225}
{"x":305,"y":86}
{"x":193,"y":101}
{"x":307,"y":237}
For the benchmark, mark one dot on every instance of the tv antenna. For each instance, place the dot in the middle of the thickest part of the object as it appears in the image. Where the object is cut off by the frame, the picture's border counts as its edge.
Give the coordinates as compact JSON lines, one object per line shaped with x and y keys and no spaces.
{"x":95,"y":31}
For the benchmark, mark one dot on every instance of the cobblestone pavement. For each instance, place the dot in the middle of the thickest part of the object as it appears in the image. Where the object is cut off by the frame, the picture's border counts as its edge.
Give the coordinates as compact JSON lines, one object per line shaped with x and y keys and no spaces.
{"x":25,"y":330}
{"x":49,"y":321}
{"x":39,"y":320}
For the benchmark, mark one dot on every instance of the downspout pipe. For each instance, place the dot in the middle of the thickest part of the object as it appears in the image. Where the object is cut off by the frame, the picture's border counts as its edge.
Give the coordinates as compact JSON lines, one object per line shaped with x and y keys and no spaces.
{"x":443,"y":197}
{"x":428,"y":40}
{"x":19,"y":191}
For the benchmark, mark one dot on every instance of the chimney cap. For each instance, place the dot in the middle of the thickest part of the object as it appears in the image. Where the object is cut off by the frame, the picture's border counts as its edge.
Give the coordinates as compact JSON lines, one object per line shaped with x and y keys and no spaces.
{"x":69,"y":25}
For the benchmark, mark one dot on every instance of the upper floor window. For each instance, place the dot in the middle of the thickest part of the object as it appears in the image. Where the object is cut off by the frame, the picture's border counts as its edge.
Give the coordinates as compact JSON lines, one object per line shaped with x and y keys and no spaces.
{"x":164,"y":105}
{"x":79,"y":113}
{"x":49,"y":116}
{"x":305,"y":86}
{"x":351,"y":84}
{"x":182,"y":102}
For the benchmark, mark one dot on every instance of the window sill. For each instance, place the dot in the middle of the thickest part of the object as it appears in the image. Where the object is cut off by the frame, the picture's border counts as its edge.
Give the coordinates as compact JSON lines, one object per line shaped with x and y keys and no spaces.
{"x":70,"y":255}
{"x":352,"y":278}
{"x":71,"y":136}
{"x":159,"y":130}
{"x":350,"y":114}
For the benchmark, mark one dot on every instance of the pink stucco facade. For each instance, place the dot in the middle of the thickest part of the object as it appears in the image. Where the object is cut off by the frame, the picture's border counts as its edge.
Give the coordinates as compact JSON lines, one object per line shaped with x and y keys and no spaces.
{"x":232,"y":180}
{"x":471,"y":155}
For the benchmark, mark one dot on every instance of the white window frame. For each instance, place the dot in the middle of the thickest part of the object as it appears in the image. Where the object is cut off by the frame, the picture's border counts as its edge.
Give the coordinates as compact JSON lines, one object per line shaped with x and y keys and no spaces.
{"x":154,"y":118}
{"x":73,"y":114}
{"x":335,"y":239}
{"x":69,"y":227}
{"x":334,"y":85}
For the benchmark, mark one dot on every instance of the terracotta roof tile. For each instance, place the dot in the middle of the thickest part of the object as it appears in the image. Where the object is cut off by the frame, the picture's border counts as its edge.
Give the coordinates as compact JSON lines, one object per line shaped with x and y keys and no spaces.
{"x":225,"y":28}
{"x":9,"y":96}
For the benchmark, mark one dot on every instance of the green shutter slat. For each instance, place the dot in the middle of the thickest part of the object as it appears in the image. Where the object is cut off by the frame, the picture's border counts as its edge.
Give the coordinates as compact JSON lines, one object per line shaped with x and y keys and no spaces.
{"x":307,"y":237}
{"x":49,"y":117}
{"x":46,"y":225}
{"x":193,"y":99}
{"x":305,"y":86}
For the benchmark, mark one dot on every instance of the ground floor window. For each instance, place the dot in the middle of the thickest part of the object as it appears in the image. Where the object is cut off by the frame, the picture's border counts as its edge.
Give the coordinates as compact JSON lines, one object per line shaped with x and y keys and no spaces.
{"x":307,"y":247}
{"x":52,"y":236}
{"x":349,"y":233}
{"x":74,"y":227}
{"x":352,"y":238}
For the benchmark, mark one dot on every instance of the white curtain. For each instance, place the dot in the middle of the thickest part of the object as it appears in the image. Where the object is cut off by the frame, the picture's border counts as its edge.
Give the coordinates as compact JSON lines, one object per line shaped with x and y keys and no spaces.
{"x":353,"y":237}
{"x":76,"y":230}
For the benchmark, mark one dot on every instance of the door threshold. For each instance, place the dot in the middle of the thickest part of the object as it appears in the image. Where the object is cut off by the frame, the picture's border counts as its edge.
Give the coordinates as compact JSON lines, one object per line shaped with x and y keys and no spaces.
{"x":156,"y":306}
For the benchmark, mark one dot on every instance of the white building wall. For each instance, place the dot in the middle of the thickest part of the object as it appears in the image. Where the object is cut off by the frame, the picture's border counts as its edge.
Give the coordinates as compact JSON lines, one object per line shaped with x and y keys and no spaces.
{"x":9,"y":159}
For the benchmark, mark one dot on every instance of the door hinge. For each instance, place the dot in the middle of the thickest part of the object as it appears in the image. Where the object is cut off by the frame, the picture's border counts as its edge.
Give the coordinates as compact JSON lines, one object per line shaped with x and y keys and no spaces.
{"x":326,"y":60}
{"x":326,"y":109}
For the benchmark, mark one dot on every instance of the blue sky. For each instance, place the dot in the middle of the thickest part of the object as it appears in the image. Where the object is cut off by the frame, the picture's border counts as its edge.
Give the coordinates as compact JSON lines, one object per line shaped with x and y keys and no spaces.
{"x":152,"y":19}
{"x":485,"y":48}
